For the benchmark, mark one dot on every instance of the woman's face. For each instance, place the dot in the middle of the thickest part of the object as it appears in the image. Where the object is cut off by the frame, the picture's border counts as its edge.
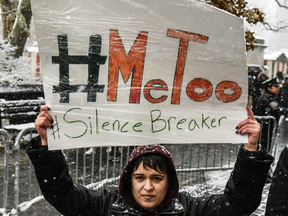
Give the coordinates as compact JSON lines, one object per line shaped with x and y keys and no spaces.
{"x":149,"y":187}
{"x":274,"y":89}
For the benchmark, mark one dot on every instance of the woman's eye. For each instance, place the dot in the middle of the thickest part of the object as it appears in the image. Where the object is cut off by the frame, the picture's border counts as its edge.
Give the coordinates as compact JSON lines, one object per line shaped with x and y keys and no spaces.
{"x":139,"y":177}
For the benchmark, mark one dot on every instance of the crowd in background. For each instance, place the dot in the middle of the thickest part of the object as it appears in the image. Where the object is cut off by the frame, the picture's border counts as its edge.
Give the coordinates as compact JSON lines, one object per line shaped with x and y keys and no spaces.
{"x":268,"y":96}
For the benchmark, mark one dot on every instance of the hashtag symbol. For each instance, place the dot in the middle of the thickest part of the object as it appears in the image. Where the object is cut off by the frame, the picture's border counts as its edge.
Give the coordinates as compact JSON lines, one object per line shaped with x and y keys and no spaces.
{"x":93,"y":60}
{"x":57,"y":128}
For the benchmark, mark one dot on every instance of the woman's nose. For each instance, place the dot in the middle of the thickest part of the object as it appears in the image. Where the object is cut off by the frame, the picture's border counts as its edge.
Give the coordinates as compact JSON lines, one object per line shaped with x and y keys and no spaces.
{"x":148,"y":185}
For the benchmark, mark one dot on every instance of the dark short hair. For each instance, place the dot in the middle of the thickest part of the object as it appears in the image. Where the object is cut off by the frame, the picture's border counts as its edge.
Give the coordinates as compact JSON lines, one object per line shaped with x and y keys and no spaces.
{"x":154,"y":161}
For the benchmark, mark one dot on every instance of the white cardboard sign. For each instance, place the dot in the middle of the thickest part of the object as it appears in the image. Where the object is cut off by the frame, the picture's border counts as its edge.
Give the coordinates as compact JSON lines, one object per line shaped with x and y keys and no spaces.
{"x":133,"y":72}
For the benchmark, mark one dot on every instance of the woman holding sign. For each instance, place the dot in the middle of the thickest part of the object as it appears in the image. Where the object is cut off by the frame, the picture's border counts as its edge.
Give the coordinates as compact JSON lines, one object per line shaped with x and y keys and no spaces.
{"x":148,"y":184}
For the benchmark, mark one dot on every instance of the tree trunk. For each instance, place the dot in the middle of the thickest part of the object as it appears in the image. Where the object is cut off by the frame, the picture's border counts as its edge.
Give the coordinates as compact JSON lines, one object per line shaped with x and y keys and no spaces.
{"x":8,"y":13}
{"x":16,"y":18}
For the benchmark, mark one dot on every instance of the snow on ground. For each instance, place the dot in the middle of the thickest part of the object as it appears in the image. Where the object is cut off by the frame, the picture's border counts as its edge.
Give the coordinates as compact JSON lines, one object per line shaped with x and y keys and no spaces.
{"x":216,"y":182}
{"x":19,"y":127}
{"x":25,"y":205}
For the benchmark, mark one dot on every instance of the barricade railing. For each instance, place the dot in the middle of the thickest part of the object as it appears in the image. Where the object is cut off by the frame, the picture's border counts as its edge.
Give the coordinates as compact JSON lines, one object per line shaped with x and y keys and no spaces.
{"x":281,"y":139}
{"x":101,"y":166}
{"x":19,"y":111}
{"x":16,"y":151}
{"x":268,"y":130}
{"x":5,"y":168}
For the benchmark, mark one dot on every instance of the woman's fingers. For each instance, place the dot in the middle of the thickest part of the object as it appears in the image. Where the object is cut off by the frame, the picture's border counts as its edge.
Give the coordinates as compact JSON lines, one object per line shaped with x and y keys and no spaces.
{"x":251,"y":127}
{"x":249,"y":130}
{"x":43,"y":121}
{"x":251,"y":118}
{"x":250,"y":113}
{"x":44,"y":108}
{"x":47,"y":118}
{"x":248,"y":123}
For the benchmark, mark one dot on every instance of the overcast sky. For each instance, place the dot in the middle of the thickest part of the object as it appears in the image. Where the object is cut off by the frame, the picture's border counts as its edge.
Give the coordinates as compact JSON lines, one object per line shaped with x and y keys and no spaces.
{"x":275,"y":40}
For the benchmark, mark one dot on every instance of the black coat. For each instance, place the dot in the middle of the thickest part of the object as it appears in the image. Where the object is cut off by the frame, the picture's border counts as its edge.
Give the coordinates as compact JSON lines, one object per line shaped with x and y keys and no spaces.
{"x":241,"y":197}
{"x":284,"y":94}
{"x":269,"y":105}
{"x":277,"y":203}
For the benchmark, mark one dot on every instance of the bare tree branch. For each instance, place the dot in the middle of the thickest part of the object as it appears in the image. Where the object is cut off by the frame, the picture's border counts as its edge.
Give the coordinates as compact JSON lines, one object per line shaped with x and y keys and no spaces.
{"x":268,"y":26}
{"x":281,"y":5}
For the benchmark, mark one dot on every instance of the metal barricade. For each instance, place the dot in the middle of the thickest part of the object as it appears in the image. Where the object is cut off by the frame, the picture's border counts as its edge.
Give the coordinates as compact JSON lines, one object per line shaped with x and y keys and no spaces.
{"x":6,"y":141}
{"x":267,"y":134}
{"x":193,"y":161}
{"x":198,"y":158}
{"x":16,"y":151}
{"x":281,"y":137}
{"x":94,"y":167}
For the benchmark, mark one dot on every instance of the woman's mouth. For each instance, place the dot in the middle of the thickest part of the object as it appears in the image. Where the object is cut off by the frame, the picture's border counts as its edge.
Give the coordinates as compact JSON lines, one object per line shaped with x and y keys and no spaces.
{"x":148,"y":197}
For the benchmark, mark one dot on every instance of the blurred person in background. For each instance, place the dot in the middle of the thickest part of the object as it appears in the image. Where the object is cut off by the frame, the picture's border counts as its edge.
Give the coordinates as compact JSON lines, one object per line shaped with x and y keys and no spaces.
{"x":284,"y":93}
{"x":269,"y":105}
{"x":280,"y":76}
{"x":258,"y":88}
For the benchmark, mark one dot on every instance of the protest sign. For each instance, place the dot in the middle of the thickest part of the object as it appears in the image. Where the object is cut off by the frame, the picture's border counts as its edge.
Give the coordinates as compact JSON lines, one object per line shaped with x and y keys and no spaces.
{"x":133,"y":72}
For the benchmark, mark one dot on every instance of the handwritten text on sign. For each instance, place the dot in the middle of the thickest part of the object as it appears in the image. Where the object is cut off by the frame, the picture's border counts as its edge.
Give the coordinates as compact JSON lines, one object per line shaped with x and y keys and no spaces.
{"x":137,"y":73}
{"x":132,"y":65}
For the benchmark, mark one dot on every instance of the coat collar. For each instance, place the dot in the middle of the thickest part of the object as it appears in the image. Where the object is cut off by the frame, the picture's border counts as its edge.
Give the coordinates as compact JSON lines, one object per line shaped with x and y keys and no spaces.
{"x":121,"y":206}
